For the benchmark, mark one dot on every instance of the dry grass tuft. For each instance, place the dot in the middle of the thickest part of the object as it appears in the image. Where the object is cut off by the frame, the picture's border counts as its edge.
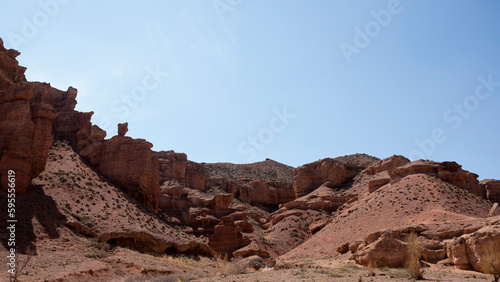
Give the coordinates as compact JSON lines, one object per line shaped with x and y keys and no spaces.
{"x":220,"y":263}
{"x":372,"y":268}
{"x":236,"y":267}
{"x":414,"y":254}
{"x":226,"y":267}
{"x":22,"y":266}
{"x":174,"y":277}
{"x":96,"y":250}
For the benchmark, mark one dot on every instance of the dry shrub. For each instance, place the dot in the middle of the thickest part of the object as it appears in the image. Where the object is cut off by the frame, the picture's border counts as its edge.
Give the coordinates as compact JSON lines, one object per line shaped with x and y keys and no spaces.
{"x":174,"y":277}
{"x":256,"y":263}
{"x":372,"y":267}
{"x":22,"y":266}
{"x":237,"y":266}
{"x":97,"y":250}
{"x":220,"y":263}
{"x":492,"y":260}
{"x":226,"y":267}
{"x":135,"y":278}
{"x":414,"y":254}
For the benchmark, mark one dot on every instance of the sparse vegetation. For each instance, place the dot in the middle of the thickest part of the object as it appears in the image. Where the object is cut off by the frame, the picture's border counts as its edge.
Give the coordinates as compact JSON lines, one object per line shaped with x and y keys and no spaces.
{"x":237,"y":266}
{"x":174,"y":277}
{"x":226,"y":267}
{"x":22,"y":266}
{"x":87,"y":220}
{"x":372,"y":268}
{"x":95,"y":248}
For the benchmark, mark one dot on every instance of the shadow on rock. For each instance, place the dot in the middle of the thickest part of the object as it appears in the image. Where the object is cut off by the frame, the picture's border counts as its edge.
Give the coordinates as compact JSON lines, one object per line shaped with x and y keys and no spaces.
{"x":35,"y":205}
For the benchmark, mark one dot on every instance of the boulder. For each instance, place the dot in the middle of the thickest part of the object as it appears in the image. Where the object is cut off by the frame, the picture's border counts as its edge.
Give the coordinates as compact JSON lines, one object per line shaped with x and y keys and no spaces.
{"x":388,"y":247}
{"x":492,"y":189}
{"x":122,"y":128}
{"x":310,"y":176}
{"x":472,"y":250}
{"x":386,"y":164}
{"x":343,"y":248}
{"x":456,"y":251}
{"x":250,"y":250}
{"x":318,"y":225}
{"x":375,"y":183}
{"x":386,"y":250}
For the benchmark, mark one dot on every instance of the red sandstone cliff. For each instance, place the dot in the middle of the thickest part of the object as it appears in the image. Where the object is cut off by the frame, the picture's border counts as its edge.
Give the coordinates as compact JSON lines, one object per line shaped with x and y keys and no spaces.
{"x":32,"y":113}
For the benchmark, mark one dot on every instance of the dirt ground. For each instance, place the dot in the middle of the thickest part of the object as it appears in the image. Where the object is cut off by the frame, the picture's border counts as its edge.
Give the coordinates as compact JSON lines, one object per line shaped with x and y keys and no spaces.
{"x":338,"y":270}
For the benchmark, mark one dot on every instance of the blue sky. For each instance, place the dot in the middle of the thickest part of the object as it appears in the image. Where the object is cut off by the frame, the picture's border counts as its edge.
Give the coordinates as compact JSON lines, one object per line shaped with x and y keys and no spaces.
{"x":295,"y":81}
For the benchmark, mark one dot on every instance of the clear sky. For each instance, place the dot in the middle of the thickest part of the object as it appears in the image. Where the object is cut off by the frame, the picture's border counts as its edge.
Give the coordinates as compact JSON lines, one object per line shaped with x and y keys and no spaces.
{"x":295,"y":81}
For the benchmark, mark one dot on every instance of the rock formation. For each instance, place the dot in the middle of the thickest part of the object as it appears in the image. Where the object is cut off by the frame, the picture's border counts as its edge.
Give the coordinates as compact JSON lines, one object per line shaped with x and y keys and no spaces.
{"x":172,"y":166}
{"x":11,"y":72}
{"x":385,"y":249}
{"x":193,"y":208}
{"x":175,"y":166}
{"x":492,"y":189}
{"x":265,"y":193}
{"x":131,"y":165}
{"x":31,"y":113}
{"x":122,"y":129}
{"x":465,"y":245}
{"x":195,"y":176}
{"x":69,"y":124}
{"x":336,"y":171}
{"x":378,"y":181}
{"x":264,"y":209}
{"x":450,"y":172}
{"x":469,"y":251}
{"x":310,"y":176}
{"x":323,"y":198}
{"x":227,"y":238}
{"x":386,"y":164}
{"x":26,"y":121}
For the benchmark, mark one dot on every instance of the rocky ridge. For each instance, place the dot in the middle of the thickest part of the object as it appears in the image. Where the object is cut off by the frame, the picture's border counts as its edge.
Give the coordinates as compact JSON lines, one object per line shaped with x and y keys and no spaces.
{"x":93,"y":185}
